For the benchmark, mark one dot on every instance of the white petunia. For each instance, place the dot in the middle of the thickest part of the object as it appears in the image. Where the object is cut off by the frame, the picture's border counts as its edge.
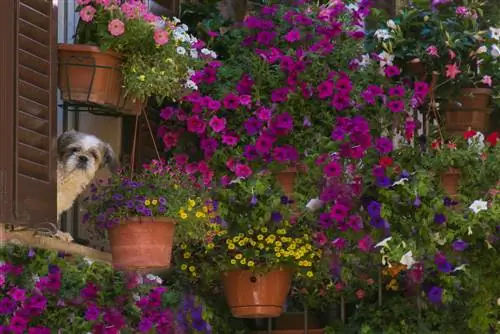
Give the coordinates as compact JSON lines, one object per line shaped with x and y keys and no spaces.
{"x":205,"y":51}
{"x":193,"y":53}
{"x":477,"y":141}
{"x":136,"y":297}
{"x":382,"y":34}
{"x":314,"y":204}
{"x":407,"y":260}
{"x":180,"y":50}
{"x":461,"y":267}
{"x":495,"y":51}
{"x":439,"y":239}
{"x":479,"y":205}
{"x":495,"y":33}
{"x":213,"y":55}
{"x":365,"y":60}
{"x":154,"y":278}
{"x":184,"y":27}
{"x":386,"y":57}
{"x":175,"y":20}
{"x":383,"y":243}
{"x":190,"y":84}
{"x":391,"y":24}
{"x":401,"y":181}
{"x":35,"y":278}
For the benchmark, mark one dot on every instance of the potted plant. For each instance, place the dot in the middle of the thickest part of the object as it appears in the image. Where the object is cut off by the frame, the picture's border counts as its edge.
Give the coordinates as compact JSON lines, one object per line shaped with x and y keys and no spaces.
{"x":143,"y":212}
{"x":125,"y":54}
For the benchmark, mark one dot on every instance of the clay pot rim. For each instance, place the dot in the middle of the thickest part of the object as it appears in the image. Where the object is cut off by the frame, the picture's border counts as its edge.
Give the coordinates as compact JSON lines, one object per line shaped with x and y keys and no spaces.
{"x":147,"y":220}
{"x":478,"y":90}
{"x":452,"y":170}
{"x":85,"y":48}
{"x":280,"y":268}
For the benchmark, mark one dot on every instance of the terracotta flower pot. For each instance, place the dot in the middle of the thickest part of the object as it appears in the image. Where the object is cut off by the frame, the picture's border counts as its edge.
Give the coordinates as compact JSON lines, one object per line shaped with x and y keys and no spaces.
{"x":450,"y":180}
{"x":473,"y":98}
{"x":416,"y":67}
{"x":286,"y":178}
{"x":142,"y":243}
{"x":250,"y":295}
{"x":88,"y":75}
{"x":460,"y":120}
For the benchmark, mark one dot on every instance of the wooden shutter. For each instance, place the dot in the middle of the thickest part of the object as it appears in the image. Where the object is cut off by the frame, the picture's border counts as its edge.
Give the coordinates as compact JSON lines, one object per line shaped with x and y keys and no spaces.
{"x":28,"y":111}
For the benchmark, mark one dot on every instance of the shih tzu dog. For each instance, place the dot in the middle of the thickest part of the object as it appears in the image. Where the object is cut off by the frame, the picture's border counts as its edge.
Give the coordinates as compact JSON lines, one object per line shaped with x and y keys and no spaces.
{"x":79,"y":157}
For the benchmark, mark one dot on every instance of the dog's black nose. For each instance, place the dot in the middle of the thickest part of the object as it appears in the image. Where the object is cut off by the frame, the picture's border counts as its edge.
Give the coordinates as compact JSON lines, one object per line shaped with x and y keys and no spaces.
{"x":83,"y":159}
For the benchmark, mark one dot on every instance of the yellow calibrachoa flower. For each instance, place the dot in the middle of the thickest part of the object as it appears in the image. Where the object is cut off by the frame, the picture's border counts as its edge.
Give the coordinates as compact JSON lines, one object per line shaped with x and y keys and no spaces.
{"x":176,"y":186}
{"x":147,"y":202}
{"x":310,"y":274}
{"x":184,"y":266}
{"x":233,"y":261}
{"x":238,"y":256}
{"x":192,"y":268}
{"x":154,"y":202}
{"x":231,"y":246}
{"x":141,"y":77}
{"x":211,"y":245}
{"x":191,"y":203}
{"x":243,"y":261}
{"x":205,"y":209}
{"x":260,"y":237}
{"x":183,"y":215}
{"x":263,"y":229}
{"x":187,"y":255}
{"x":200,"y":214}
{"x":250,"y":264}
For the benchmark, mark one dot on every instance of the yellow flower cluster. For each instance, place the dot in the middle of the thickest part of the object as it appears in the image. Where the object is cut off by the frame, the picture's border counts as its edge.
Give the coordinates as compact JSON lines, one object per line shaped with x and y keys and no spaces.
{"x":151,"y":202}
{"x":284,"y":248}
{"x":190,"y":208}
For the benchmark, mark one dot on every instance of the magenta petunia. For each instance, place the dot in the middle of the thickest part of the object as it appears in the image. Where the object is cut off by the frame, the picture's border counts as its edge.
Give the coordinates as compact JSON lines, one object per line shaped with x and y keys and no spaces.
{"x":333,"y":169}
{"x":243,"y":170}
{"x":384,"y":145}
{"x":196,"y":125}
{"x":397,"y":91}
{"x":280,"y":95}
{"x":396,"y":106}
{"x":264,"y":144}
{"x":365,"y":244}
{"x":392,"y":71}
{"x":292,"y":36}
{"x":339,"y":212}
{"x":231,"y":101}
{"x":264,"y":114}
{"x":325,"y":89}
{"x":218,"y":124}
{"x":230,"y":139}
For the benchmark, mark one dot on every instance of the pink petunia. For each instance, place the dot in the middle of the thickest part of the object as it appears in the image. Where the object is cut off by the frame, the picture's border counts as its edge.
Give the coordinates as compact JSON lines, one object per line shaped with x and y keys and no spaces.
{"x":396,"y":106}
{"x":292,"y":36}
{"x":116,"y":27}
{"x":432,"y":51}
{"x":87,"y":13}
{"x":452,"y":70}
{"x":160,"y":36}
{"x":365,"y":244}
{"x":392,"y":71}
{"x":487,"y":80}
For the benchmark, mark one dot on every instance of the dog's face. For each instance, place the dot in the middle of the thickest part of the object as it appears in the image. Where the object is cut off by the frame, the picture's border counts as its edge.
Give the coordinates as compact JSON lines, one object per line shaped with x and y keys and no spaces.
{"x":83,"y":153}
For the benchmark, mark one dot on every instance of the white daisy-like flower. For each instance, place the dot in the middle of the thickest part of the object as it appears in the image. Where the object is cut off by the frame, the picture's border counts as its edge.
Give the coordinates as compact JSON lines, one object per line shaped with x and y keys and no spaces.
{"x":190,"y":84}
{"x":314,"y":204}
{"x":382,"y":34}
{"x":495,"y":51}
{"x":391,"y":24}
{"x":401,"y":181}
{"x":384,"y":243}
{"x":495,"y":33}
{"x":181,"y":50}
{"x":193,"y":53}
{"x":479,"y":205}
{"x":408,"y":260}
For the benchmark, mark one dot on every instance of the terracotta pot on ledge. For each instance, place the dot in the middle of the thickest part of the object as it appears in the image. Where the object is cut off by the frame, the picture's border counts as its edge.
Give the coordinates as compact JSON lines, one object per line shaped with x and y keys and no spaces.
{"x":469,"y":111}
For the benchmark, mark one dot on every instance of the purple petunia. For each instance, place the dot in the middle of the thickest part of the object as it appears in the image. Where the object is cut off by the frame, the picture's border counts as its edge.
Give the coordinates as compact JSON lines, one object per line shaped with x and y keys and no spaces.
{"x":374,"y":209}
{"x":459,"y":245}
{"x":435,"y":295}
{"x":442,"y":263}
{"x":439,"y":218}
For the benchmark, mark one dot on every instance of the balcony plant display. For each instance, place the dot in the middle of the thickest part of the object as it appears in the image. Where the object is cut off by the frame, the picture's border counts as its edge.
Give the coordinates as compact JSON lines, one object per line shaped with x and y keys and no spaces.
{"x":291,"y":72}
{"x":124,"y":53}
{"x":143,"y":213}
{"x":44,"y":291}
{"x":254,"y":245}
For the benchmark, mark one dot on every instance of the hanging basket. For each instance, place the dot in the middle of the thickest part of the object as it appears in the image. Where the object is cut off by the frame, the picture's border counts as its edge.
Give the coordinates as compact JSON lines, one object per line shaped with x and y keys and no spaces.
{"x":250,"y":295}
{"x":92,"y":77}
{"x":450,"y":181}
{"x":142,"y":243}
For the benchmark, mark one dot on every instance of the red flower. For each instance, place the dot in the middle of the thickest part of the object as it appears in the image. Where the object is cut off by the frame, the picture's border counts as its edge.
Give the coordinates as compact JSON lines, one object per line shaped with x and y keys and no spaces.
{"x":385,"y":162}
{"x":492,"y":138}
{"x":360,"y":294}
{"x":469,"y":134}
{"x":436,"y":144}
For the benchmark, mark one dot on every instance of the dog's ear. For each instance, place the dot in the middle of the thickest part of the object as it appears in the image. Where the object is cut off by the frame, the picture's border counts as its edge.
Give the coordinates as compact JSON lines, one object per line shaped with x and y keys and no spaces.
{"x":109,"y":158}
{"x":64,"y":140}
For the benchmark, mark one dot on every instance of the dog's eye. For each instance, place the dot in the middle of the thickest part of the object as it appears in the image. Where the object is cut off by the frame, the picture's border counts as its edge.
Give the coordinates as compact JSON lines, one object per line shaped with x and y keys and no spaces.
{"x":94,"y":155}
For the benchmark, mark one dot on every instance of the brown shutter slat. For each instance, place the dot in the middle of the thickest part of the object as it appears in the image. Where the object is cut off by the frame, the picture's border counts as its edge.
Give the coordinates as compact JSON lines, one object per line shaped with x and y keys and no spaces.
{"x":28,"y":112}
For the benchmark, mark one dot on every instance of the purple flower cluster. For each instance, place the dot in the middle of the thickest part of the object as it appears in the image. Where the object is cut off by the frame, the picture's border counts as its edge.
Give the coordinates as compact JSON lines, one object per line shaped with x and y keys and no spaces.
{"x":190,"y":316}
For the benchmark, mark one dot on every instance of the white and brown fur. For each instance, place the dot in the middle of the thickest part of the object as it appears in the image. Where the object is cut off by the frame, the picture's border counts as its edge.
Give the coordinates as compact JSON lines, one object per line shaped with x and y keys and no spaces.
{"x":79,"y":157}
